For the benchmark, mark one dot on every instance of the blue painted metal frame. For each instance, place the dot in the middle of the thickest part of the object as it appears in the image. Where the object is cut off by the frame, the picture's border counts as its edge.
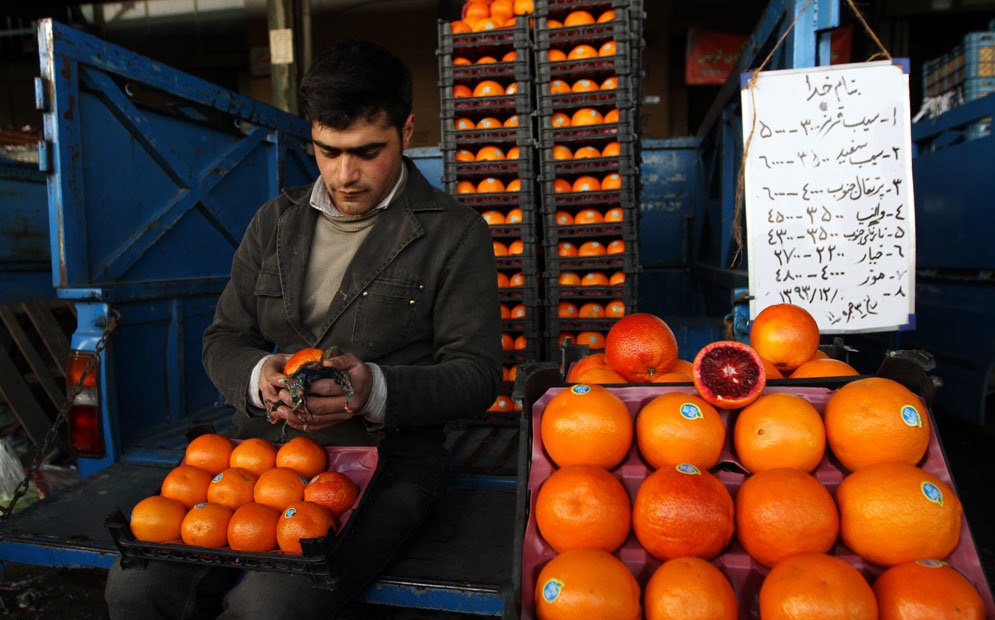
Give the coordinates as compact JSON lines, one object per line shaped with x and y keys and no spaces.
{"x":25,"y":271}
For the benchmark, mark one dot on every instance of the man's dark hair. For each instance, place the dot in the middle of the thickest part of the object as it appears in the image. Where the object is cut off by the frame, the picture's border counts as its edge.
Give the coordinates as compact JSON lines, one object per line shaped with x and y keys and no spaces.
{"x":356,"y":80}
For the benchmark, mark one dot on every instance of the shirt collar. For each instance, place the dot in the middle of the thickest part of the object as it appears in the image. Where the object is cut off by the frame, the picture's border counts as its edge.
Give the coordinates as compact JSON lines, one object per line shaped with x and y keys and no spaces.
{"x":321,"y":201}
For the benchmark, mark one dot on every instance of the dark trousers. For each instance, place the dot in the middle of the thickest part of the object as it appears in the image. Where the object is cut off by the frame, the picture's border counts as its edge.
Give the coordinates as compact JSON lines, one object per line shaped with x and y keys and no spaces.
{"x":387,"y":518}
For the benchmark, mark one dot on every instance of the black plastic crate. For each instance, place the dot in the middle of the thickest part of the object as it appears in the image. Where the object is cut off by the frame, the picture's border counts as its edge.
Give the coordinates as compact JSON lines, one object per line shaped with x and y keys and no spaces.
{"x":522,"y":167}
{"x":625,"y":62}
{"x":498,"y":106}
{"x":627,"y":229}
{"x":453,"y":139}
{"x":527,"y":294}
{"x":626,"y":262}
{"x":614,"y":169}
{"x":484,"y":43}
{"x":527,"y":256}
{"x":518,"y":70}
{"x":529,"y":325}
{"x":551,"y":201}
{"x":578,"y":295}
{"x":624,"y":129}
{"x":558,"y":9}
{"x":622,"y":28}
{"x":625,"y":97}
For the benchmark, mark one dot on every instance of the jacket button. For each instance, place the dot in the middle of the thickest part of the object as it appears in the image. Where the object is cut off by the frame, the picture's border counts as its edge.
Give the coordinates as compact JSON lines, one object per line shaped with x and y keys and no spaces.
{"x":366,"y":293}
{"x":411,"y":302}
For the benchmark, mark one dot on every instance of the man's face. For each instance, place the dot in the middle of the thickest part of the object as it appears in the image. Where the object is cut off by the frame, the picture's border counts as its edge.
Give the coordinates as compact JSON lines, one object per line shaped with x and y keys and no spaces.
{"x":359,"y":164}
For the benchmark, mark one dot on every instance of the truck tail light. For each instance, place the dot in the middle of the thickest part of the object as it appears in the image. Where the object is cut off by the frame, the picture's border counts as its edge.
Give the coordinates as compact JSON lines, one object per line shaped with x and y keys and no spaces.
{"x":85,"y":429}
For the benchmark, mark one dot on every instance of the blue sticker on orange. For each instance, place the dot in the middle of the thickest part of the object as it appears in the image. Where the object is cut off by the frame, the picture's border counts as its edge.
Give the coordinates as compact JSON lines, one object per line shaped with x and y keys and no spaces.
{"x":580,"y":388}
{"x":290,"y":512}
{"x":910,"y":415}
{"x":691,"y":411}
{"x":551,"y":590}
{"x":688,"y":468}
{"x":932,"y":563}
{"x":932,"y":492}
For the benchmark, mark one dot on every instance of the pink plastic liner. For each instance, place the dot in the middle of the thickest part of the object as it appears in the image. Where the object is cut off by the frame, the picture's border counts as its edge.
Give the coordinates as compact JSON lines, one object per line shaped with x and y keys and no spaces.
{"x":745,"y":574}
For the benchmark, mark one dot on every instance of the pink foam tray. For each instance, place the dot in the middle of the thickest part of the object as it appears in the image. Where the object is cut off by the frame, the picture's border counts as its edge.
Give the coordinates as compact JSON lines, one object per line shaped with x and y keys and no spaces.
{"x":745,"y":574}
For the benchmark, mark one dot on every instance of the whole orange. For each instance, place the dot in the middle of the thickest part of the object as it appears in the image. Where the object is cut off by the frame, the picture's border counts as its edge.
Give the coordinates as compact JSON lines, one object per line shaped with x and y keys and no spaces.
{"x":586,"y":425}
{"x":298,"y":359}
{"x":824,"y":367}
{"x":590,"y":361}
{"x":785,"y":335}
{"x":333,"y":490}
{"x":303,"y":455}
{"x":206,"y":525}
{"x":676,"y":428}
{"x":894,"y":512}
{"x":302,"y":520}
{"x":779,"y":430}
{"x":586,"y":583}
{"x":279,"y":487}
{"x":640,"y":346}
{"x":927,"y":590}
{"x":601,"y":375}
{"x":780,"y":512}
{"x":810,"y":586}
{"x":209,"y":452}
{"x":583,"y":506}
{"x":186,"y":483}
{"x":233,"y":487}
{"x":252,"y":528}
{"x":683,"y":511}
{"x":876,"y":420}
{"x":673,"y":377}
{"x":157,"y":519}
{"x":690,"y":589}
{"x":255,"y":454}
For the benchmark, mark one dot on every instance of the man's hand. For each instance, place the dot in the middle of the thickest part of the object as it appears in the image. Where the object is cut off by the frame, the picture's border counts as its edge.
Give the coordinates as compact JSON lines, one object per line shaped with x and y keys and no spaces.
{"x":326,"y":402}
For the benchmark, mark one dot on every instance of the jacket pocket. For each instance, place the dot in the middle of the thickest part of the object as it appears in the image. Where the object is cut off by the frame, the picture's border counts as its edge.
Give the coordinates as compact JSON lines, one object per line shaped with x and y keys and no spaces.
{"x":386,"y":313}
{"x":269,"y":303}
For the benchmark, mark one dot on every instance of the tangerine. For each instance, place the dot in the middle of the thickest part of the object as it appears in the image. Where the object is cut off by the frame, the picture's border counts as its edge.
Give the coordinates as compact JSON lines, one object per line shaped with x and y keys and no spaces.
{"x":255,"y":454}
{"x":583,"y":506}
{"x":586,"y":183}
{"x":279,"y":487}
{"x":561,"y":186}
{"x":187,"y":484}
{"x":640,"y":346}
{"x":493,"y":218}
{"x":608,"y":48}
{"x":927,"y":590}
{"x":892,"y":513}
{"x":587,"y":152}
{"x":157,"y":519}
{"x":615,"y":247}
{"x":298,"y":359}
{"x":302,"y":520}
{"x":689,"y":588}
{"x":591,"y":310}
{"x":588,"y":361}
{"x":815,"y":585}
{"x":616,"y":310}
{"x":786,"y":335}
{"x":464,"y":155}
{"x":588,"y":216}
{"x":466,"y":187}
{"x":876,"y":420}
{"x":586,"y":425}
{"x":488,"y":88}
{"x":682,"y":511}
{"x":206,"y":525}
{"x":334,"y":490}
{"x":559,"y":120}
{"x":676,"y":428}
{"x":616,"y":279}
{"x":555,"y":55}
{"x":568,"y":278}
{"x":489,"y":153}
{"x":232,"y":487}
{"x":782,"y":511}
{"x":490,"y":185}
{"x":209,"y":452}
{"x":602,"y":375}
{"x":593,"y":339}
{"x":252,"y":528}
{"x":578,"y":18}
{"x":581,"y":52}
{"x":565,"y":248}
{"x":779,"y":430}
{"x":303,"y":455}
{"x":586,"y":583}
{"x":594,"y":278}
{"x":591,"y":248}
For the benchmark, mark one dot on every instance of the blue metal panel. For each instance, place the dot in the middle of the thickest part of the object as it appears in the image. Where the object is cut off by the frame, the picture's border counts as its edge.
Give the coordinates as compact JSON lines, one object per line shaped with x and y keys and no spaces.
{"x":25,"y":261}
{"x":454,"y":599}
{"x":428,"y":160}
{"x":55,"y":556}
{"x":666,"y":201}
{"x":150,"y":163}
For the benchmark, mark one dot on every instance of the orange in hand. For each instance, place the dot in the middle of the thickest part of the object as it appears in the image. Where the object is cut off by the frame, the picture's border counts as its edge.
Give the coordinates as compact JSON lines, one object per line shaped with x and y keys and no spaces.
{"x":300,"y":358}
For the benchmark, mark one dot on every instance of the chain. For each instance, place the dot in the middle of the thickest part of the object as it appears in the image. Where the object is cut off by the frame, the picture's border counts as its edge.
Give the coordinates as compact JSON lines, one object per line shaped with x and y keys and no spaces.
{"x":53,"y":431}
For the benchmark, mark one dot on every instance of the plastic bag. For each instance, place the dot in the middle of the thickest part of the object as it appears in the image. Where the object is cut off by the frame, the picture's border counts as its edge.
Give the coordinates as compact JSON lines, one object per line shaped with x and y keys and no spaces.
{"x":11,"y":475}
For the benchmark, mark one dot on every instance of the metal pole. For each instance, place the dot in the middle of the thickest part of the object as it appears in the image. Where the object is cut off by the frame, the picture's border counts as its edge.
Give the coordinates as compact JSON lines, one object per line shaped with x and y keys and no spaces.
{"x":283,"y":64}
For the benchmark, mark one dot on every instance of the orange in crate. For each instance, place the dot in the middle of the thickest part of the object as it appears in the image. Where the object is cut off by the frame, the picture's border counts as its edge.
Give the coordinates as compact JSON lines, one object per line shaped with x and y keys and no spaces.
{"x":555,"y":55}
{"x":600,"y":375}
{"x":500,"y":249}
{"x":489,"y":123}
{"x":587,"y":152}
{"x":779,"y":430}
{"x":553,"y":23}
{"x":489,"y":153}
{"x":511,"y":121}
{"x":333,"y":490}
{"x":690,"y":588}
{"x":609,"y":48}
{"x":465,"y":123}
{"x":459,"y":60}
{"x":565,"y":248}
{"x":615,"y":247}
{"x":521,"y":342}
{"x":488,"y":88}
{"x":563,"y":218}
{"x":209,"y":452}
{"x":279,"y":487}
{"x":515,"y":215}
{"x":502,"y":404}
{"x":927,"y":590}
{"x":583,"y":507}
{"x":594,"y":278}
{"x":610,"y":83}
{"x":677,"y":428}
{"x":612,"y":116}
{"x":493,"y":218}
{"x":612,"y":149}
{"x":561,"y":152}
{"x":511,"y":56}
{"x":784,"y":511}
{"x":616,"y":279}
{"x":821,"y":585}
{"x":517,"y":279}
{"x":524,"y":7}
{"x":518,"y":312}
{"x":558,"y":87}
{"x":584,"y":85}
{"x":206,"y":525}
{"x":612,"y":181}
{"x":560,"y":119}
{"x":566,"y":310}
{"x":302,"y":520}
{"x":459,"y":91}
{"x":502,"y":10}
{"x":594,"y":340}
{"x":512,"y":89}
{"x":589,"y":216}
{"x":488,"y":23}
{"x":459,"y":27}
{"x":232,"y":487}
{"x":515,"y":185}
{"x":186,"y":484}
{"x":303,"y":455}
{"x":252,"y":528}
{"x":586,"y":425}
{"x":507,"y":342}
{"x":157,"y":519}
{"x":582,"y":51}
{"x":465,"y":155}
{"x":587,"y":583}
{"x":591,"y":248}
{"x":586,"y":116}
{"x":513,"y":153}
{"x":561,"y":186}
{"x":586,"y":183}
{"x":616,"y":310}
{"x":486,"y":60}
{"x":568,"y":278}
{"x":466,"y":187}
{"x":503,"y":280}
{"x":490,"y":185}
{"x":591,"y":310}
{"x":607,"y":16}
{"x":578,"y":18}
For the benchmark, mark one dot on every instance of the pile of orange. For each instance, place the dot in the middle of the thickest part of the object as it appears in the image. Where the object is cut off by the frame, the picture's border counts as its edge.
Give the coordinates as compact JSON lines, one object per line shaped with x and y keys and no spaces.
{"x":252,"y":496}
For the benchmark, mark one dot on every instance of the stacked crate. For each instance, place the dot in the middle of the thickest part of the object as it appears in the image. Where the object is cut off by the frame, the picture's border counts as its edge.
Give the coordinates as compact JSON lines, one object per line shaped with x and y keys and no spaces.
{"x":587,"y":114}
{"x":489,"y":163}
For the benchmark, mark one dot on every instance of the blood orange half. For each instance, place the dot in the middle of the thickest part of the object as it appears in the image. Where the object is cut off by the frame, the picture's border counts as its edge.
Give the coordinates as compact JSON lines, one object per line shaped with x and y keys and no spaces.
{"x":729,"y":374}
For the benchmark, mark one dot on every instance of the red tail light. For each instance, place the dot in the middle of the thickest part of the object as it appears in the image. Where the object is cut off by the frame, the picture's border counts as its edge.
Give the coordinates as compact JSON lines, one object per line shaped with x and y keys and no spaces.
{"x":85,"y":429}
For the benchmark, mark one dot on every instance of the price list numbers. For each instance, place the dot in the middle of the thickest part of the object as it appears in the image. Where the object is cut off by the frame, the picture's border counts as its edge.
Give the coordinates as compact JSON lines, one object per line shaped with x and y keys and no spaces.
{"x":830,"y":219}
